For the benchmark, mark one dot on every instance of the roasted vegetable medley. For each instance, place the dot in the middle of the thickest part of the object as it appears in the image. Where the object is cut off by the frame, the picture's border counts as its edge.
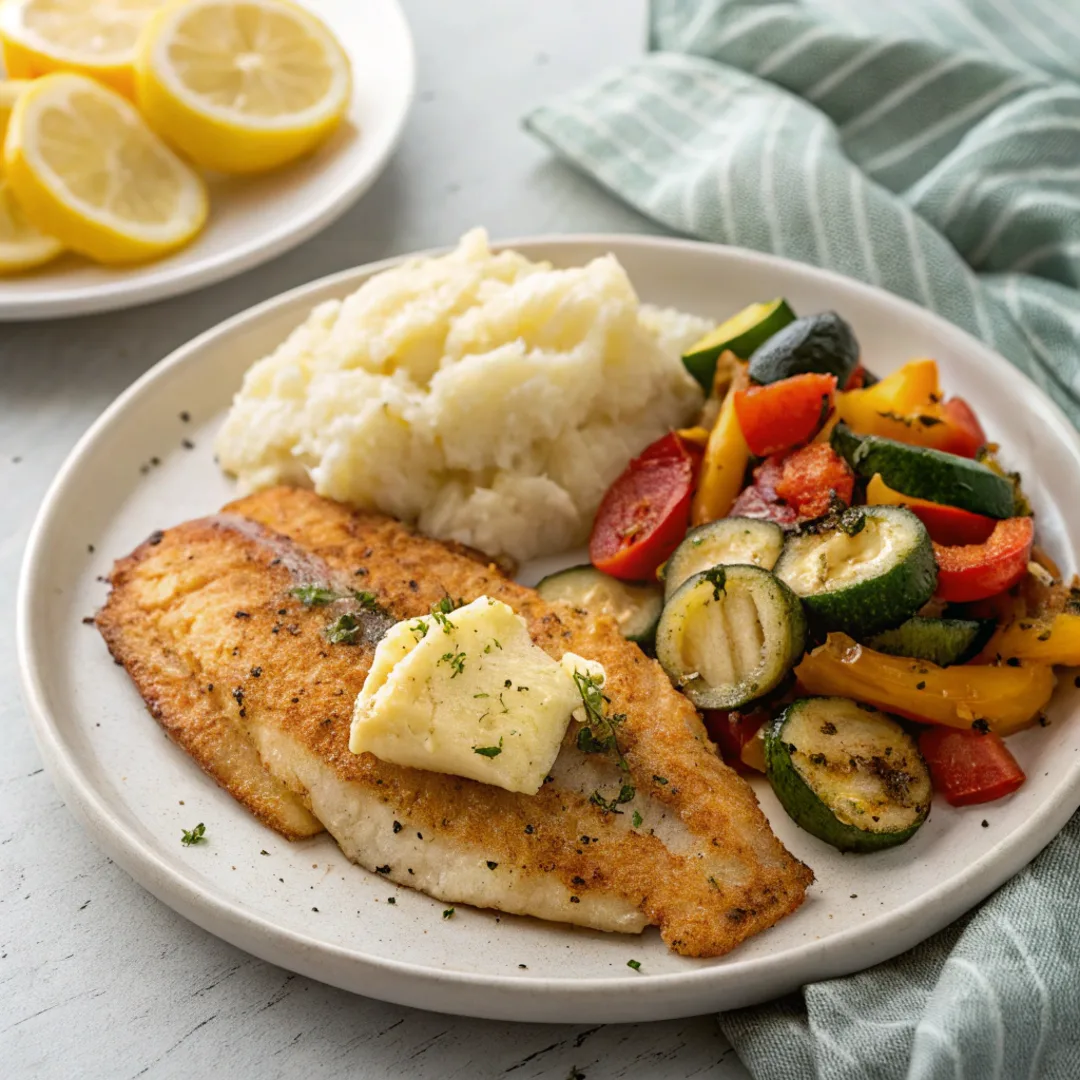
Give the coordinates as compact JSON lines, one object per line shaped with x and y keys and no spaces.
{"x":836,"y":570}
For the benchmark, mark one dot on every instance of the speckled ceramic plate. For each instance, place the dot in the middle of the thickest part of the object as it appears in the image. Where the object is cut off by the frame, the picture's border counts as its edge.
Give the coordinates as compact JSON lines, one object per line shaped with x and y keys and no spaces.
{"x":252,"y":219}
{"x":142,"y":467}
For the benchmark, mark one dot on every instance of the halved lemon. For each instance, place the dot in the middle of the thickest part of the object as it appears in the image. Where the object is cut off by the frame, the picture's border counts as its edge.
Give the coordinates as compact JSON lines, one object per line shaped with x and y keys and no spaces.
{"x":241,"y":86}
{"x":86,"y":169}
{"x":22,"y":247}
{"x":93,"y":37}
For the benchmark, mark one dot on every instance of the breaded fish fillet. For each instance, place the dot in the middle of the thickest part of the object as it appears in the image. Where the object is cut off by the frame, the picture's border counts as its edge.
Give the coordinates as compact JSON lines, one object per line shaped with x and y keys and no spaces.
{"x":241,"y":674}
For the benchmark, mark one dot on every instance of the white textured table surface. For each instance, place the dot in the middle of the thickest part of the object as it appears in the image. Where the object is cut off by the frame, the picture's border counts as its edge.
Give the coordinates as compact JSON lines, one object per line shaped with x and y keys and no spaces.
{"x":97,"y":978}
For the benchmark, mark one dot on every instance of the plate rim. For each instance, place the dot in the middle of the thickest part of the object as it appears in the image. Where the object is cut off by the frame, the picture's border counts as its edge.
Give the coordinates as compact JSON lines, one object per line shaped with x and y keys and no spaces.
{"x":121,"y":294}
{"x":544,"y":999}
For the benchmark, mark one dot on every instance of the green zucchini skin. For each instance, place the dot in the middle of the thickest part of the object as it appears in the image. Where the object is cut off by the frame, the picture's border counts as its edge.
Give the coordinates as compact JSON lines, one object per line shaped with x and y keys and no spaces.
{"x":636,"y":608}
{"x":885,"y":595}
{"x":815,"y":344}
{"x":700,"y":360}
{"x":729,"y":635}
{"x":926,"y":474}
{"x":728,"y":541}
{"x":940,"y":641}
{"x":847,"y":774}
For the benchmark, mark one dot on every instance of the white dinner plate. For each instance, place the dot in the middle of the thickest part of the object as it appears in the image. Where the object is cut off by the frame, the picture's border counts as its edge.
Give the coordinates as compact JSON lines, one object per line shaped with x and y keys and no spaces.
{"x":252,"y":219}
{"x":302,"y":905}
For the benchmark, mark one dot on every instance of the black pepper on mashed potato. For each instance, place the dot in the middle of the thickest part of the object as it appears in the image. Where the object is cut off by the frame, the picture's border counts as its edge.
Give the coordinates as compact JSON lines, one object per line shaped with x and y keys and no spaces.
{"x":489,"y":399}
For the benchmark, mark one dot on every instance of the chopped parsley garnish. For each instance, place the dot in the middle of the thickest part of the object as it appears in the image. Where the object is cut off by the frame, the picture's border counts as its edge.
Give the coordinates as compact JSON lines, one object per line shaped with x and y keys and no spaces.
{"x":635,"y":964}
{"x":637,"y":819}
{"x":588,"y":743}
{"x":489,"y":751}
{"x":440,"y":609}
{"x":367,"y":601}
{"x":193,"y":836}
{"x":611,"y":806}
{"x":448,"y":913}
{"x":851,"y":521}
{"x":481,"y":695}
{"x":660,"y":779}
{"x":419,"y":629}
{"x":455,"y":660}
{"x":314,"y":595}
{"x":598,"y":735}
{"x":717,"y":578}
{"x":344,"y":630}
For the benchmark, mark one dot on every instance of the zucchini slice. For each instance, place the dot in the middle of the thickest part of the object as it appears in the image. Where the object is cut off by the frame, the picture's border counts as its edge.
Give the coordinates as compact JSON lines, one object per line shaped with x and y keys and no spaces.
{"x":848,"y":774}
{"x":729,"y":635}
{"x":636,"y":608}
{"x":926,"y":474}
{"x":815,"y":344}
{"x":865,"y":570}
{"x":941,"y":641}
{"x":749,"y":541}
{"x":742,"y":334}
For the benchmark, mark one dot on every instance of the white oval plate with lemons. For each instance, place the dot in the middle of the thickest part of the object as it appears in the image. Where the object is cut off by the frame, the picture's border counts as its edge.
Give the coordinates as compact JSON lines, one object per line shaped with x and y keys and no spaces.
{"x":255,"y":217}
{"x":303,"y":905}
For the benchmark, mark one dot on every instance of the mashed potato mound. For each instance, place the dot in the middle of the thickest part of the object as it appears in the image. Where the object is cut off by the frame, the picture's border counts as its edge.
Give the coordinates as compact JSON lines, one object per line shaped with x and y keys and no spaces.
{"x":487,"y":398}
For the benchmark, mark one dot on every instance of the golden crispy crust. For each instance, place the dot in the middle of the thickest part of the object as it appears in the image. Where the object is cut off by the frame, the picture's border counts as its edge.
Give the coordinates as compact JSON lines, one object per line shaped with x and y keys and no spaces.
{"x":209,"y":603}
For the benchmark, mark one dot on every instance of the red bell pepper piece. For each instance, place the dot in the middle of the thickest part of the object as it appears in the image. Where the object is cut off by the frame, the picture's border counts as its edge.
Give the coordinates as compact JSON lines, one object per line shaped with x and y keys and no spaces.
{"x":811,"y":477}
{"x":962,"y":433}
{"x":969,"y":766}
{"x":785,"y":413}
{"x":760,"y":499}
{"x":945,"y":524}
{"x":977,"y":571}
{"x":731,"y":731}
{"x":857,"y":380}
{"x":949,"y":525}
{"x":645,"y":513}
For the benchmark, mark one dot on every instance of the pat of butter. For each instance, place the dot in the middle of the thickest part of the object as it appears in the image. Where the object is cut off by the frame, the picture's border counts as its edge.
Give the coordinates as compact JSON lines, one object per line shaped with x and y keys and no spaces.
{"x":469,"y":694}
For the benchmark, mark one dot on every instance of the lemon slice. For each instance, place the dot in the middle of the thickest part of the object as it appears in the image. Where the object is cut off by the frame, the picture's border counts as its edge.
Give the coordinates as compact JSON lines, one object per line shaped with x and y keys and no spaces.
{"x":22,"y":247}
{"x":241,"y":85}
{"x":86,"y":169}
{"x":93,"y":37}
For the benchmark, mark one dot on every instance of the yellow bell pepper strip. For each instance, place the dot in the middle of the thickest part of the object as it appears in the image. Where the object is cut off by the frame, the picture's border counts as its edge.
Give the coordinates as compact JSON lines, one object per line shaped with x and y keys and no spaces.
{"x":886,"y":407}
{"x":696,"y":436}
{"x":752,"y":754}
{"x":945,"y":524}
{"x":1055,"y":640}
{"x":725,"y":461}
{"x":1005,"y":699}
{"x":908,"y":406}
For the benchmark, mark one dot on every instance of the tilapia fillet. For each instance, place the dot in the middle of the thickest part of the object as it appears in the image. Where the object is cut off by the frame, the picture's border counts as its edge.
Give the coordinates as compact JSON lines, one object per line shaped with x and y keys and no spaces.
{"x":241,"y":674}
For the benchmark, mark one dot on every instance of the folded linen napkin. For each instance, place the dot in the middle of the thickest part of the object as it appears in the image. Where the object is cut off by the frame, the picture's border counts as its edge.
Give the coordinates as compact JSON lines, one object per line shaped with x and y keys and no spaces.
{"x":931,"y":147}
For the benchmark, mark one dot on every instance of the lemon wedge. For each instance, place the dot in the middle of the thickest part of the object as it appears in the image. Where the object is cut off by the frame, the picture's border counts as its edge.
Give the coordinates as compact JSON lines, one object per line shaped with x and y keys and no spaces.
{"x":86,"y":169}
{"x":22,"y":247}
{"x":241,"y":86}
{"x":93,"y":37}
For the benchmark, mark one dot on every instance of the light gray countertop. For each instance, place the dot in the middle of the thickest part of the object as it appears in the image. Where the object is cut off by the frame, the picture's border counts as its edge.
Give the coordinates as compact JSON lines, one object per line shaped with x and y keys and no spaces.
{"x":99,"y":979}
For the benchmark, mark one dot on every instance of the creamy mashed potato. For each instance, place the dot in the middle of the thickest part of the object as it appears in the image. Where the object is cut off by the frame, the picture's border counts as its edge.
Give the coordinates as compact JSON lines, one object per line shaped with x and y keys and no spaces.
{"x":487,"y":398}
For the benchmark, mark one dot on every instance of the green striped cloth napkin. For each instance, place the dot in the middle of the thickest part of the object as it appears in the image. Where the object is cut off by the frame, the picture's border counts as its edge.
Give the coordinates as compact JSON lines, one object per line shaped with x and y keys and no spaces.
{"x":931,"y":147}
